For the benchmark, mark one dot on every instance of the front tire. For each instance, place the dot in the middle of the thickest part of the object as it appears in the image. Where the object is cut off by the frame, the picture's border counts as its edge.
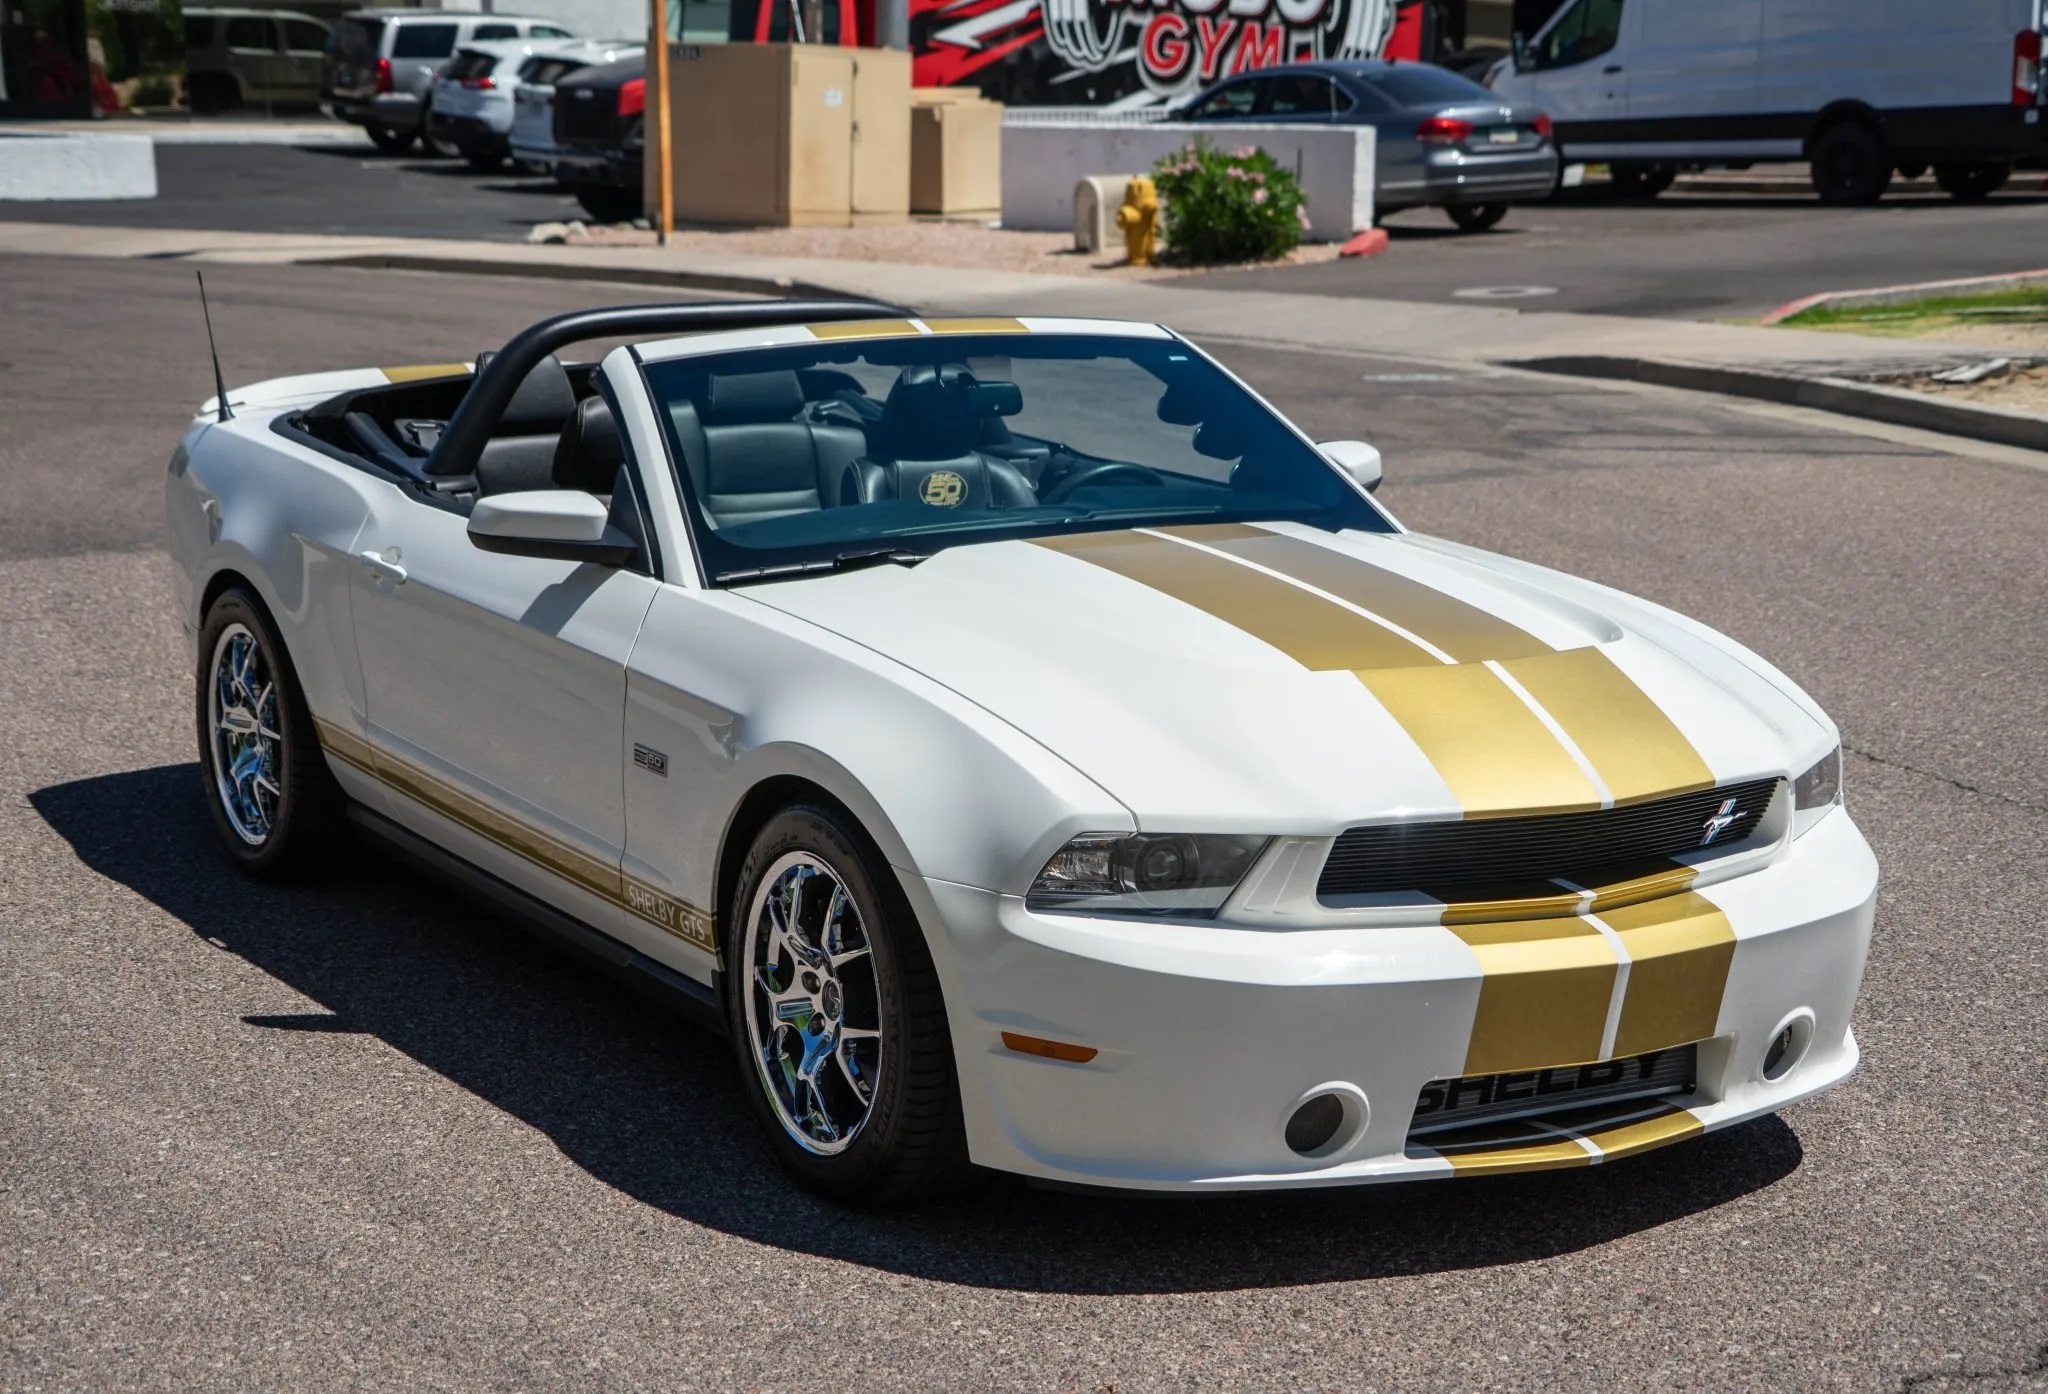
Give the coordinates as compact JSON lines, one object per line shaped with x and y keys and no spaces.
{"x":275,"y":804}
{"x":1850,"y":165}
{"x":609,"y":203}
{"x":1642,"y":181}
{"x":1969,"y":181}
{"x":837,"y":1019}
{"x":390,"y":140}
{"x":1476,"y":217}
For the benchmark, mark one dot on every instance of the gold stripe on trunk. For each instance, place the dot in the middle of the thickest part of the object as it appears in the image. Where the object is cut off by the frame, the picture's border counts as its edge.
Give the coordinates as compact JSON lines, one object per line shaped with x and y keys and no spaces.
{"x":864,"y":329}
{"x":1679,"y":949}
{"x":1638,"y":751}
{"x":1544,"y":998}
{"x":1465,"y":632}
{"x":1497,"y":758}
{"x":1314,"y":632}
{"x":976,"y":326}
{"x":419,"y":372}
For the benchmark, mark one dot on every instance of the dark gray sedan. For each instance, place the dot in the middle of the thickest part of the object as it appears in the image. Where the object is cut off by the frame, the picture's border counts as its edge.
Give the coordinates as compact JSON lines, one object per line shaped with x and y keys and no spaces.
{"x":1444,"y":141}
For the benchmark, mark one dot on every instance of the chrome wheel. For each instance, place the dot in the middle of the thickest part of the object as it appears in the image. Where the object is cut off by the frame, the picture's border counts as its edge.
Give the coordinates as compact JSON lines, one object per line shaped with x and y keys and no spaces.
{"x":243,"y":734}
{"x":814,"y":1015}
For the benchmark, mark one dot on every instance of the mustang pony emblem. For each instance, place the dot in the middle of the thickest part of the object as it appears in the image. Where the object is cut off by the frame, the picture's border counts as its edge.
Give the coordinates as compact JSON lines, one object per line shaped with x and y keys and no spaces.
{"x":943,"y":489}
{"x":1723,"y":819}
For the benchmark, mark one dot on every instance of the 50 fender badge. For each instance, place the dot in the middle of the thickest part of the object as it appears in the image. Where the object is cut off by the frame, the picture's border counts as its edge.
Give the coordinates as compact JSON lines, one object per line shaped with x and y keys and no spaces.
{"x":650,"y":759}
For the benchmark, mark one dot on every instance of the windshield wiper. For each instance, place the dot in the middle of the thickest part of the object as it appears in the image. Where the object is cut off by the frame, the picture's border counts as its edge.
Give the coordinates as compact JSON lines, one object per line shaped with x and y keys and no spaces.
{"x":845,"y":561}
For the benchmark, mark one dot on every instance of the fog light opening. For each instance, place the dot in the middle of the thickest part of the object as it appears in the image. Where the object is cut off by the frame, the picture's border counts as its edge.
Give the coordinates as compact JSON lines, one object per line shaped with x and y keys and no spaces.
{"x":1788,"y":1045}
{"x":1325,"y":1120}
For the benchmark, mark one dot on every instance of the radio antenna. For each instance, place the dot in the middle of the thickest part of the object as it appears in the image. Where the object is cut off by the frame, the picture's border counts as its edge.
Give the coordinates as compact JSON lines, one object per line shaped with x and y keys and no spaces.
{"x":220,"y":387}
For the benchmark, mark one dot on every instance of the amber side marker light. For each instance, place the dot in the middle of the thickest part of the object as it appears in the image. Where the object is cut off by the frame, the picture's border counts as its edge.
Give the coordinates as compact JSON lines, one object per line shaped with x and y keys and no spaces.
{"x":1051,"y":1050}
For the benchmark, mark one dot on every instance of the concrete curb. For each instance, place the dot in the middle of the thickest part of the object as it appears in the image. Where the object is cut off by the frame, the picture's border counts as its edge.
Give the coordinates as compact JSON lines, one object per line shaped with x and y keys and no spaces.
{"x":1837,"y":395}
{"x":571,"y":271}
{"x":1906,"y":294}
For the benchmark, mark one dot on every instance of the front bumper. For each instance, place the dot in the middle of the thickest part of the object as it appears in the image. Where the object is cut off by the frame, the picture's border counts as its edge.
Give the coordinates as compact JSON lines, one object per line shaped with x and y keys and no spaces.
{"x":400,"y":111}
{"x":619,"y":168}
{"x":1208,"y":1036}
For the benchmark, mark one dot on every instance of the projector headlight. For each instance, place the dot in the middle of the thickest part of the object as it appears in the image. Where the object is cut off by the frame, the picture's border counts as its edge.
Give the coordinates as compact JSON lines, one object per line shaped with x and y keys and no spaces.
{"x":1144,"y":873}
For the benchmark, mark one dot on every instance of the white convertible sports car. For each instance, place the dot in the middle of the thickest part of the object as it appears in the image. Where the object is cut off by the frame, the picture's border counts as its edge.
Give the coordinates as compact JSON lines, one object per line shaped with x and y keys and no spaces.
{"x":1030,"y":748}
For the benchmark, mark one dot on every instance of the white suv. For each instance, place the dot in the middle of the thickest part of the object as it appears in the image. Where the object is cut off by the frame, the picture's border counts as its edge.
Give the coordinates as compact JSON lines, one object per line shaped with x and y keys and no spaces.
{"x":381,"y":64}
{"x":475,"y":96}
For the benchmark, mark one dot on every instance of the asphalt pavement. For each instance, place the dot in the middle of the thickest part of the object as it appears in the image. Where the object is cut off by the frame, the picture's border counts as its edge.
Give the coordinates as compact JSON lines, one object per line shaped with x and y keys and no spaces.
{"x":1687,"y":255}
{"x":364,"y":1134}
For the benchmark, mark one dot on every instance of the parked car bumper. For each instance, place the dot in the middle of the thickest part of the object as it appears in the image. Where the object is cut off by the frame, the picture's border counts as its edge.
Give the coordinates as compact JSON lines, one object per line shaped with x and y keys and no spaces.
{"x":1452,"y":177}
{"x":398,"y":110}
{"x":472,"y":135}
{"x":614,"y":167}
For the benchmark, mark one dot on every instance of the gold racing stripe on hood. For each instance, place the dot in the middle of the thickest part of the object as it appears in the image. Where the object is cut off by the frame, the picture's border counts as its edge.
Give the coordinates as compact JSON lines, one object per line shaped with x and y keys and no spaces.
{"x":419,"y":372}
{"x":1314,"y":632}
{"x":1462,"y":630}
{"x":1638,"y":750}
{"x":1545,"y":995}
{"x":1679,"y":948}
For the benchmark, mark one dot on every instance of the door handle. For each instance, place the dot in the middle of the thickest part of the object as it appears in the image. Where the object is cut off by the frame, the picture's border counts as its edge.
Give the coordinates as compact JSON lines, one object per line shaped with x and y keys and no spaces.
{"x":384,"y":570}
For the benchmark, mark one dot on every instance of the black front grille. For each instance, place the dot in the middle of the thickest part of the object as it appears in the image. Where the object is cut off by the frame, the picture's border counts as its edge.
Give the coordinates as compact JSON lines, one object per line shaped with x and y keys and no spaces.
{"x":1455,"y":1103}
{"x":1461,"y":861}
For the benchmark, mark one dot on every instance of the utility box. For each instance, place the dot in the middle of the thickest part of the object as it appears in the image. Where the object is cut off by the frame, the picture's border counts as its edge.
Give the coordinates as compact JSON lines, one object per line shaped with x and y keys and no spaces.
{"x":956,"y":153}
{"x":789,"y":135}
{"x":1096,"y":199}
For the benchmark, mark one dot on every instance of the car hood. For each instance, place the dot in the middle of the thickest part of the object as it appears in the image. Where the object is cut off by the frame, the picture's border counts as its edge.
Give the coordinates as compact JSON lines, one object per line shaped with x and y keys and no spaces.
{"x":1283,"y":680}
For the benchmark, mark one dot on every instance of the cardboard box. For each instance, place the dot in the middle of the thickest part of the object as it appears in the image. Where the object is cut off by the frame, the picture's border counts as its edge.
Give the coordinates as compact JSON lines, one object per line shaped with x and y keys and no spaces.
{"x":786,"y":135}
{"x":956,"y":155}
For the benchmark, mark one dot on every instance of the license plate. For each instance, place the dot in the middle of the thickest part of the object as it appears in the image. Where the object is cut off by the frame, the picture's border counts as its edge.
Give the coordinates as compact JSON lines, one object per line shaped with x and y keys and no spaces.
{"x":1504,"y":135}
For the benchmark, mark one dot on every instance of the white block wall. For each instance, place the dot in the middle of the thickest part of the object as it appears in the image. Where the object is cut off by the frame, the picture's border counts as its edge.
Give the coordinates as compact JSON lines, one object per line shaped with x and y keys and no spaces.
{"x":37,"y":168}
{"x":1042,"y":163}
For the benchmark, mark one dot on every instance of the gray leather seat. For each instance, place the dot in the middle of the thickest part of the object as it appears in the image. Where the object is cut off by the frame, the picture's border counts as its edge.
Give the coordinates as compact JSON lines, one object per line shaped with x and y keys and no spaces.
{"x":752,"y":455}
{"x":521,"y":451}
{"x":925,"y":445}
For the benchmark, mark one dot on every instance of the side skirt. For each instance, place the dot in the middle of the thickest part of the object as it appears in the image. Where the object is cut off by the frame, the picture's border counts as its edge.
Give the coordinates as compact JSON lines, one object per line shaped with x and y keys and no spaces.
{"x":653,"y":980}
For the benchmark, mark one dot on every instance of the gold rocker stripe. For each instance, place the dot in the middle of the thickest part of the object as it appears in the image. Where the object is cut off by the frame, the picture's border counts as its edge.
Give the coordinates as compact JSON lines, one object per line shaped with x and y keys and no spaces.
{"x":1569,"y":1141}
{"x":551,"y":854}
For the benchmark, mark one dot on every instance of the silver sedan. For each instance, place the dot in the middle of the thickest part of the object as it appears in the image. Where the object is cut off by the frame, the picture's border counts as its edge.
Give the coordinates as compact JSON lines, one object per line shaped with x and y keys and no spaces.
{"x":1443,"y":140}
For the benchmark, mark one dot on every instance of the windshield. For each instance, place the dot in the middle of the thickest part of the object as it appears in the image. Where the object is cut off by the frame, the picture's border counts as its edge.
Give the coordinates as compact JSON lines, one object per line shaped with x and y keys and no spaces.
{"x":811,"y":455}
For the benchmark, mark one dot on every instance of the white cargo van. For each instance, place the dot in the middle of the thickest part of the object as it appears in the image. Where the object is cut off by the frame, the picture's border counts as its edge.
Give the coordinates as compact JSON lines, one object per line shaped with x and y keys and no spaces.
{"x":1857,"y":88}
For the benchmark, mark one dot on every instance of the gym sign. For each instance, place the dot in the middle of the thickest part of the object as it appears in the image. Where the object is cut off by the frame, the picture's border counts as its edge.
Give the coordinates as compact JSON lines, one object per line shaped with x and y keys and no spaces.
{"x":1168,"y":48}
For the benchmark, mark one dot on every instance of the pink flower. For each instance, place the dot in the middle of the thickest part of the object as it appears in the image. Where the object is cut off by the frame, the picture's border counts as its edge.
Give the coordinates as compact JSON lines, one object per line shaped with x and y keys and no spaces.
{"x":1259,"y":196}
{"x":1245,"y":152}
{"x":1301,"y":214}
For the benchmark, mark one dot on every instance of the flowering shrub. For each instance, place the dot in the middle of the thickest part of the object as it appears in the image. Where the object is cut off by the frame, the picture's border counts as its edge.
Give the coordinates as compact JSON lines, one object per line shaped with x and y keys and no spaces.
{"x":1235,"y":206}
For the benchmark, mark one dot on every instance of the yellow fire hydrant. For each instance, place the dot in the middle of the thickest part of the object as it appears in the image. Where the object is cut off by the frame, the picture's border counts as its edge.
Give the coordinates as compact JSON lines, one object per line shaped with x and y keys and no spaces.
{"x":1139,"y":218}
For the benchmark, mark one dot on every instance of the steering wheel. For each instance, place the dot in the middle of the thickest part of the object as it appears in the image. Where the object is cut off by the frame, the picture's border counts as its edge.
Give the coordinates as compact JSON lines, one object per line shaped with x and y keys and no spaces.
{"x":1095,"y":474}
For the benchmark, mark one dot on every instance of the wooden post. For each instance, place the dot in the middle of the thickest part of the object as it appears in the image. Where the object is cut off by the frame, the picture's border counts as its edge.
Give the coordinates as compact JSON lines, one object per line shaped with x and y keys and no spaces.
{"x":664,"y":168}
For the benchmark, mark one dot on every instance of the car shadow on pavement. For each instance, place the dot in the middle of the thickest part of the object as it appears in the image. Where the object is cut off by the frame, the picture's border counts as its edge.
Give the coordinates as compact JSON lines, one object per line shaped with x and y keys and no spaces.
{"x":651,"y":1106}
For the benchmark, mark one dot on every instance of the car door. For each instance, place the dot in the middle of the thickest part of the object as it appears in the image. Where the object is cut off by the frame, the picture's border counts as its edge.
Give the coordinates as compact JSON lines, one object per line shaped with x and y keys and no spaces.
{"x":1581,"y":77}
{"x":1298,"y":99}
{"x":1692,"y":73}
{"x":251,"y":42}
{"x":305,"y":44}
{"x":495,"y":692}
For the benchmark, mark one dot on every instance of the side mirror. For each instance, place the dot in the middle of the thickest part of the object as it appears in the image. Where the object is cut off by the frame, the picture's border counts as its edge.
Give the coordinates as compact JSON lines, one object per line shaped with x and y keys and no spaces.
{"x":1519,"y":47}
{"x":559,"y":524}
{"x":1355,"y":458}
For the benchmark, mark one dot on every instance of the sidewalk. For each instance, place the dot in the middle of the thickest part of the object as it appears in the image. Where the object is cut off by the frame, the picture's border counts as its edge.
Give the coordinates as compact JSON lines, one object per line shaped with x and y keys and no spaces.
{"x":1801,"y":366}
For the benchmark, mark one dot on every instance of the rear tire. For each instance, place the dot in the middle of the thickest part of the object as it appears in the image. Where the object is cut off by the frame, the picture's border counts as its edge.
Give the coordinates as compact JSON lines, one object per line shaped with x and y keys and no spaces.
{"x":1642,"y":181}
{"x":1476,"y":217}
{"x":390,"y":141}
{"x":278,"y":810}
{"x":608,"y":203}
{"x":838,"y":1023}
{"x":1851,"y":167}
{"x":483,"y":162}
{"x":1970,"y":180}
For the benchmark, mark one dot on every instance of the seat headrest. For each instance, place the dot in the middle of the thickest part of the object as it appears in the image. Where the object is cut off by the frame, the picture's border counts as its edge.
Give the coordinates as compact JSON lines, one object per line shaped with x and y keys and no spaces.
{"x":543,"y":402}
{"x":591,"y":450}
{"x":938,"y":411}
{"x":735,"y":398}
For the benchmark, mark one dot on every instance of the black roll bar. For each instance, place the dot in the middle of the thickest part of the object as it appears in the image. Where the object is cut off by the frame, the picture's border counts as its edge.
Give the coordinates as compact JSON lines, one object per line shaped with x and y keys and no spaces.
{"x":461,"y":445}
